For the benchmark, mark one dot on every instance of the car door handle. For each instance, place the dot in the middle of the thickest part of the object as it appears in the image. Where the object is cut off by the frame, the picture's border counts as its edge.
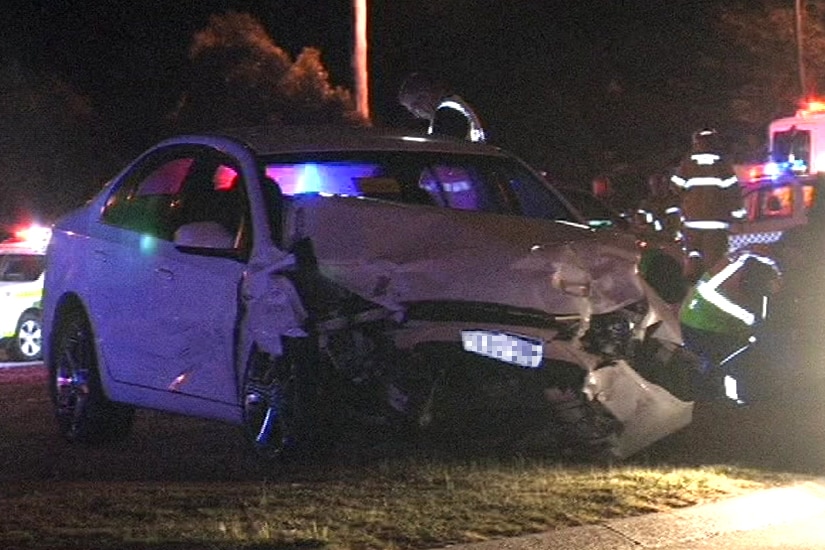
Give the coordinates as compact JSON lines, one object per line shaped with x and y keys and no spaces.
{"x":165,"y":274}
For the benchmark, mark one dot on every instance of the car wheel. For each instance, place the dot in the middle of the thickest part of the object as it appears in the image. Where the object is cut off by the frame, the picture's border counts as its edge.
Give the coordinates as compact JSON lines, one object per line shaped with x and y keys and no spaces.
{"x":281,"y":411}
{"x":84,"y":414}
{"x":27,"y":345}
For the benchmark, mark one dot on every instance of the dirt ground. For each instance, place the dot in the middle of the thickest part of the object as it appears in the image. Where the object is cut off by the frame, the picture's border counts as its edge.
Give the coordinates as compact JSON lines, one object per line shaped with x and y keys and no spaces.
{"x":778,"y":436}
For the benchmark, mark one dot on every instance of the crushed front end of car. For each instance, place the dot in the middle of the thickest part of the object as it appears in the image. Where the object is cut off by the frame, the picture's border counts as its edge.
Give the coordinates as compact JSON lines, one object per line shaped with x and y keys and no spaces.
{"x":440,"y":319}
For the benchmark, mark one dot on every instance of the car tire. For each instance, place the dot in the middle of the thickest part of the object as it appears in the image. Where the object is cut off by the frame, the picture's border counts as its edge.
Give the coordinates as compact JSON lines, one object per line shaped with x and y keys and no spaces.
{"x":27,"y":344}
{"x":83,"y":412}
{"x":283,"y":415}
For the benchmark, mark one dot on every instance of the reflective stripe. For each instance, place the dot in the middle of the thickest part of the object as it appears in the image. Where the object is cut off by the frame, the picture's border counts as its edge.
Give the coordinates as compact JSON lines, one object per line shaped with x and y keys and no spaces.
{"x":673,"y":210}
{"x":731,"y":391}
{"x":740,"y":213}
{"x":729,"y":181}
{"x":709,"y":182}
{"x":737,"y":241}
{"x":705,"y":159}
{"x":706,"y":224}
{"x":678,"y":180}
{"x":708,"y":289}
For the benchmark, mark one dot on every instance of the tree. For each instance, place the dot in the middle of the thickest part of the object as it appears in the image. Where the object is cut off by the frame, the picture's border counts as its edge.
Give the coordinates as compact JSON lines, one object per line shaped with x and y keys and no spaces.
{"x":760,"y":58}
{"x":239,"y":77}
{"x":52,"y":154}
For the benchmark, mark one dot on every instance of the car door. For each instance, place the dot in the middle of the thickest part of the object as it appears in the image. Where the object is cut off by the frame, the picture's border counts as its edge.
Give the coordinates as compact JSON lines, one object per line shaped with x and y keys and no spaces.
{"x":166,"y":315}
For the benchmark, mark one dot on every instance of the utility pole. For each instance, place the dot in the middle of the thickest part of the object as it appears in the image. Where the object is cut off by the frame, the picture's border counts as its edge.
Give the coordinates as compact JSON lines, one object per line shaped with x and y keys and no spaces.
{"x":359,"y":59}
{"x":800,"y":49}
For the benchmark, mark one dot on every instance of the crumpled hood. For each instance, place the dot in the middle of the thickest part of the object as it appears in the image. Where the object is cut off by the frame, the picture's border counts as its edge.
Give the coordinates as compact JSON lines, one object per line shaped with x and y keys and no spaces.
{"x":392,"y":254}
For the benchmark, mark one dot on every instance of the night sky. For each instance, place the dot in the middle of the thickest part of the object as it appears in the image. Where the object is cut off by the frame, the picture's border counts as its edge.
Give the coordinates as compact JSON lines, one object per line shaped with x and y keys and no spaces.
{"x":575,"y":87}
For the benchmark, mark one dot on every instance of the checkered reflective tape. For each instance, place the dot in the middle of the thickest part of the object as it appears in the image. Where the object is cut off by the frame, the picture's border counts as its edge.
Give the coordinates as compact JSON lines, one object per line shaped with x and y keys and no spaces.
{"x":737,"y":241}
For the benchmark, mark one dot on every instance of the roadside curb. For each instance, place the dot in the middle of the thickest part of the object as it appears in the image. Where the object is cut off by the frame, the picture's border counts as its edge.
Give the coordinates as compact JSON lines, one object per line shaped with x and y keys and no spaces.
{"x":761,"y":509}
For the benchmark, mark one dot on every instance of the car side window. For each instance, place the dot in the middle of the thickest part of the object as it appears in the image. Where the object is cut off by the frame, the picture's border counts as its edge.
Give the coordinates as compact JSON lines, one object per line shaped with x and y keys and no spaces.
{"x":147,"y":202}
{"x":212,"y":198}
{"x":22,"y":268}
{"x":197,"y":188}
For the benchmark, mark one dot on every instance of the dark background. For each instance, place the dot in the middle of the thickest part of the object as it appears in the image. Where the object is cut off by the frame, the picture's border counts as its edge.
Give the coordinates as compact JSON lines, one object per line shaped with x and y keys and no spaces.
{"x":576,"y":87}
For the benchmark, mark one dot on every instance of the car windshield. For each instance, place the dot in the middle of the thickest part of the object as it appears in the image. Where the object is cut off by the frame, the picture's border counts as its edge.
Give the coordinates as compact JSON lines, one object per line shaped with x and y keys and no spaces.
{"x":464,"y":182}
{"x":792,"y":145}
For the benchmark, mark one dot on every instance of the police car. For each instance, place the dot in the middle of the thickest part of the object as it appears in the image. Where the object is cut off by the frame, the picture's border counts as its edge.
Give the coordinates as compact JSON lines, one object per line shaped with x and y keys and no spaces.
{"x":22,"y":261}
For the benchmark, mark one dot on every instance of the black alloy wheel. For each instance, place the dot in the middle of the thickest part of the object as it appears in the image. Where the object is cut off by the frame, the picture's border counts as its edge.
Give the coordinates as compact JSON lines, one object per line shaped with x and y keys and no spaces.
{"x":281,"y":410}
{"x":84,"y":414}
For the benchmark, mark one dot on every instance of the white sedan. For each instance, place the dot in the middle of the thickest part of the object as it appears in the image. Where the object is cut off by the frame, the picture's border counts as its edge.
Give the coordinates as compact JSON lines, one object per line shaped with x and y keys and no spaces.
{"x":293,"y":279}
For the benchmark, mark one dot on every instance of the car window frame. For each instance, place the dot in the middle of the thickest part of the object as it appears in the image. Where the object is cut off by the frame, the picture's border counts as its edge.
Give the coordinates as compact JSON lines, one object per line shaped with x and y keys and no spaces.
{"x":203,"y":157}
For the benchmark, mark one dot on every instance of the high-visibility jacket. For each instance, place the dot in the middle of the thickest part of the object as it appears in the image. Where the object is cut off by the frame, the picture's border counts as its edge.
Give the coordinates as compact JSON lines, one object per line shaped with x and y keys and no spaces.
{"x":733,"y":297}
{"x":710,"y":194}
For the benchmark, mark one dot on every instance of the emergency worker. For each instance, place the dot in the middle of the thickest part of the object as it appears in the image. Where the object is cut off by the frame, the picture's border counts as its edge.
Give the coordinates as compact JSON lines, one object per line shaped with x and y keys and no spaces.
{"x":725,"y":309}
{"x":787,"y":355}
{"x":710,"y":200}
{"x":659,"y":212}
{"x":447,"y":113}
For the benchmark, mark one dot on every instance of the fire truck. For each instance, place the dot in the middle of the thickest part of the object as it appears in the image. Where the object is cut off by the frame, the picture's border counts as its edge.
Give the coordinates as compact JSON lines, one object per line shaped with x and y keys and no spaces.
{"x":778,"y":193}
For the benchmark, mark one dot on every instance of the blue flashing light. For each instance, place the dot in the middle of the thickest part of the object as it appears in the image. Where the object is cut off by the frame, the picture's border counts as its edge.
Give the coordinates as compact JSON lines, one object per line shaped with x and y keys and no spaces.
{"x":798,"y":166}
{"x":325,"y":178}
{"x":772,"y":169}
{"x":309,"y":180}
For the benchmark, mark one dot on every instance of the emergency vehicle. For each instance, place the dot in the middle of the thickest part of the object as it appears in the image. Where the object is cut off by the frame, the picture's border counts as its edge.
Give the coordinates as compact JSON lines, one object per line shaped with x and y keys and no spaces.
{"x":22,"y":262}
{"x":778,"y":193}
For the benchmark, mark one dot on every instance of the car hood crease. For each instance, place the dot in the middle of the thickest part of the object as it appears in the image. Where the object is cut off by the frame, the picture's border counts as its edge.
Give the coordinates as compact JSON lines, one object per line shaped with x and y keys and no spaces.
{"x":392,"y":254}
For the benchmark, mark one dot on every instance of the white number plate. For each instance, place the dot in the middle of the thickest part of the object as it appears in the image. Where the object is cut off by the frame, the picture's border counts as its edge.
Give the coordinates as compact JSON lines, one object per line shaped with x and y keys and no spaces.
{"x":510,"y":348}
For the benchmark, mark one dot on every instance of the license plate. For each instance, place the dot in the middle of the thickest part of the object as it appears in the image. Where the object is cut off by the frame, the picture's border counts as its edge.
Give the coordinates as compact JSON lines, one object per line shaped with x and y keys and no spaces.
{"x":510,"y":348}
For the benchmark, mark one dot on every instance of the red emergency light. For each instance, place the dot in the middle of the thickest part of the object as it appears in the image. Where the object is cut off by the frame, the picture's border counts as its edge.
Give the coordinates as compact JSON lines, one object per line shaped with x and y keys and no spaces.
{"x":811,"y":107}
{"x":32,"y":234}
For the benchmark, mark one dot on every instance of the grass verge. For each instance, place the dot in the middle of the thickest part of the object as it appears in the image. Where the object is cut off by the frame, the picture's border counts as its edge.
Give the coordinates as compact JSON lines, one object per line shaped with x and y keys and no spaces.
{"x":396,"y":504}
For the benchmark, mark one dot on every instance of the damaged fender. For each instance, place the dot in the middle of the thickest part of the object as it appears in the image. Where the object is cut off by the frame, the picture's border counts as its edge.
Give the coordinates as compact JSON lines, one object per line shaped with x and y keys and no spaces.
{"x":273,"y":309}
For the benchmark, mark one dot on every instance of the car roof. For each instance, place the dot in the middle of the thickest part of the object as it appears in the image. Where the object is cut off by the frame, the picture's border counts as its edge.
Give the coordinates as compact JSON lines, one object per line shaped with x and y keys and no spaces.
{"x":266,"y":140}
{"x":20,"y":248}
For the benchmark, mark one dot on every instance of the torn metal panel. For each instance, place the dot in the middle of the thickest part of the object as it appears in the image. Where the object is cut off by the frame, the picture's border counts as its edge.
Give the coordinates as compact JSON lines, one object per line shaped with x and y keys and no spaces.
{"x":273,"y":308}
{"x":400,"y":256}
{"x":646,"y":411}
